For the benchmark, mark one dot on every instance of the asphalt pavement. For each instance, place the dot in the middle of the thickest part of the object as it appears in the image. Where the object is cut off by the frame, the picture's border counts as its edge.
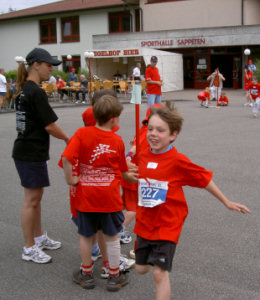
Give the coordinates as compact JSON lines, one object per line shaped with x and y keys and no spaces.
{"x":218,"y":255}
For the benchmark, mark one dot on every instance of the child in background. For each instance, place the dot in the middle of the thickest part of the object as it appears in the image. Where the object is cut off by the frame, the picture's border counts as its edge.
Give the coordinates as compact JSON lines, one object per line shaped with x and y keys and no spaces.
{"x":101,"y":157}
{"x":204,"y":97}
{"x":248,"y":74}
{"x":254,"y":91}
{"x":162,"y":207}
{"x":223,"y":99}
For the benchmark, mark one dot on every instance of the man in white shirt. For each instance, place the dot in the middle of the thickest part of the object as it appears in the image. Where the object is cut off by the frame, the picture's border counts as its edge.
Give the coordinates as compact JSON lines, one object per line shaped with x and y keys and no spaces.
{"x":52,"y":80}
{"x":137,"y":89}
{"x":137,"y":72}
{"x":3,"y":86}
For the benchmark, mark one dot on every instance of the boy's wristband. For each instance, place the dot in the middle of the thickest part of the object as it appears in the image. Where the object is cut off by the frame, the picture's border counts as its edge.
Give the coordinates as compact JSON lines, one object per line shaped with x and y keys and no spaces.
{"x":129,"y":154}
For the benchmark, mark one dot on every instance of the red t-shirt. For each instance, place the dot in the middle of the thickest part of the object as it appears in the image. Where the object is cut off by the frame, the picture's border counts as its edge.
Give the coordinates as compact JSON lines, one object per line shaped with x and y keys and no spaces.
{"x":202,"y":96}
{"x":249,"y":80}
{"x":223,"y":99}
{"x":153,"y":74}
{"x":254,"y":90}
{"x":88,"y":117}
{"x":101,"y":158}
{"x":165,"y":221}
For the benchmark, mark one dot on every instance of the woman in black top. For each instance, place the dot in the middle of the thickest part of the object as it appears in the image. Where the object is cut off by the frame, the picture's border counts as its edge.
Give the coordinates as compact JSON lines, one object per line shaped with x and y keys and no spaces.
{"x":35,"y":122}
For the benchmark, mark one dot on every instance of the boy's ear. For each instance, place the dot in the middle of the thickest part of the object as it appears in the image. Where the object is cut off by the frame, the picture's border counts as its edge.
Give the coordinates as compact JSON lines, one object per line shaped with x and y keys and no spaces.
{"x":174,"y":136}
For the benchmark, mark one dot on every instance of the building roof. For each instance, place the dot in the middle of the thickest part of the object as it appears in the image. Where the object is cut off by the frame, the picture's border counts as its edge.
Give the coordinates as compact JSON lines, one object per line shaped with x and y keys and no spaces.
{"x":61,"y":7}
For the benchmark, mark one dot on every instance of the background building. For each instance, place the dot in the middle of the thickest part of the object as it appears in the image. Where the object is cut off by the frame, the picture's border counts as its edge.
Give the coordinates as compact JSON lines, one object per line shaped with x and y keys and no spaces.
{"x":207,"y":33}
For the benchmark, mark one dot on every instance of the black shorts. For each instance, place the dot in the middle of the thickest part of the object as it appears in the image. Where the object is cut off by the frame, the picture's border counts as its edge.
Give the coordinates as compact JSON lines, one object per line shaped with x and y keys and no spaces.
{"x":159,"y":253}
{"x":89,"y":223}
{"x":32,"y":174}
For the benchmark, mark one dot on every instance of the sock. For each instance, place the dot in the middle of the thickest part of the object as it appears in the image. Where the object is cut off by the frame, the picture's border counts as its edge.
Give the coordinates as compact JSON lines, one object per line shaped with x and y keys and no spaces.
{"x":86,"y":269}
{"x":28,"y":250}
{"x":38,"y":239}
{"x":113,"y":253}
{"x":105,"y":264}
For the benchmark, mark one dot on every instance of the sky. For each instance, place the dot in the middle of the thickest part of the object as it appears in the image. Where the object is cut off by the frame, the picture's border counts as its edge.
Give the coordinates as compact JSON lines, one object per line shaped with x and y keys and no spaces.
{"x":21,"y":4}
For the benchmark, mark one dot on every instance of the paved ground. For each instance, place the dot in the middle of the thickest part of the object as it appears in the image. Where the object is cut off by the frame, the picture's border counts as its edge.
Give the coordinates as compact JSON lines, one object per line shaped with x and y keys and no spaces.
{"x":218,"y":254}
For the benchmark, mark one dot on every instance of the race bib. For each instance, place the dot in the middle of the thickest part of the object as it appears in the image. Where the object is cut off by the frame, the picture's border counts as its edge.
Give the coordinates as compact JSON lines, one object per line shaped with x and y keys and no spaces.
{"x":151,"y":192}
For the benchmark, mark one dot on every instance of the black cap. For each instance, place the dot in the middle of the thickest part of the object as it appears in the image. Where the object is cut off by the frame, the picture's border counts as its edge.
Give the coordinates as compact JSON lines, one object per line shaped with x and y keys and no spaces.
{"x":41,"y":55}
{"x":154,"y":59}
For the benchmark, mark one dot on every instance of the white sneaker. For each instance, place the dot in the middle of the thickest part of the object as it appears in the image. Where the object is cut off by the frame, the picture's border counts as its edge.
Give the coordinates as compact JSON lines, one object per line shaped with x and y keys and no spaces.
{"x":104,"y":272}
{"x":250,"y":104}
{"x":254,"y":115}
{"x":47,"y":243}
{"x":36,"y":255}
{"x":125,"y":263}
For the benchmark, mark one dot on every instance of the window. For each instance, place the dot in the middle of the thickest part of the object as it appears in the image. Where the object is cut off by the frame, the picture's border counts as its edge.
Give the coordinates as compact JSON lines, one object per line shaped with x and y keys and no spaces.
{"x":67,"y":64}
{"x":119,"y":22}
{"x":48,"y":31}
{"x":137,"y":20}
{"x":70,"y":29}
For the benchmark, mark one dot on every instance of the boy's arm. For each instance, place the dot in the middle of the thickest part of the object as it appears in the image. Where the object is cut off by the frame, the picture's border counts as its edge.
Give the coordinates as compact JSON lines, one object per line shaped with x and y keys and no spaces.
{"x":130,"y":176}
{"x":216,"y":192}
{"x":67,"y":168}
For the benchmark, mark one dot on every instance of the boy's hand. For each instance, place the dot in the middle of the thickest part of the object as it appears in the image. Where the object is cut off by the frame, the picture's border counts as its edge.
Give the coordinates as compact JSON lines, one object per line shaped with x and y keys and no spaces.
{"x":74,"y":180}
{"x":238,"y":207}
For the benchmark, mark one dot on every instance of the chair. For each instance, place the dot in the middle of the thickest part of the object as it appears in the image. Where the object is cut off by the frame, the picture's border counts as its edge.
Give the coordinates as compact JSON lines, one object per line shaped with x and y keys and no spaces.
{"x":97,"y":85}
{"x":143,"y":84}
{"x":123,"y":86}
{"x":51,"y":91}
{"x":108,"y":84}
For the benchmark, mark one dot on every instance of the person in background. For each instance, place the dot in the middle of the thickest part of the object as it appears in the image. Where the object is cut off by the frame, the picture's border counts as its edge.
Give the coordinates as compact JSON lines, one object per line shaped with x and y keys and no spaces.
{"x":204,"y":97}
{"x":223,"y":100}
{"x":52,"y":79}
{"x":154,"y":83}
{"x":72,"y":76}
{"x":60,"y":84}
{"x":251,"y":66}
{"x":136,"y":96}
{"x":3,"y":87}
{"x":83,"y":89}
{"x":35,"y":122}
{"x":248,"y":74}
{"x":216,"y":84}
{"x":254,"y":90}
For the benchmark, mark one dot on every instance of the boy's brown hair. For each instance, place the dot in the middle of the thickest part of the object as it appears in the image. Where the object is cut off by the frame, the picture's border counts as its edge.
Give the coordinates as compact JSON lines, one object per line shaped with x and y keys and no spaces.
{"x":106,"y":108}
{"x":169,"y":115}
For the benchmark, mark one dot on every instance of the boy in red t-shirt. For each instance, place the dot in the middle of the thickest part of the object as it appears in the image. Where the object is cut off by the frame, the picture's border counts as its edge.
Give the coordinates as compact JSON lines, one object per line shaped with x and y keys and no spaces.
{"x":162,"y":207}
{"x":223,"y":99}
{"x":101,"y":157}
{"x":204,"y":96}
{"x":254,"y":91}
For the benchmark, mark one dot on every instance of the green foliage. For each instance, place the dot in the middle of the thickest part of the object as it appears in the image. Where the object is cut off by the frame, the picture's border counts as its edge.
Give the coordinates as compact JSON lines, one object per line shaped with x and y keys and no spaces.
{"x":63,"y":74}
{"x":257,"y":73}
{"x":11,"y":74}
{"x":82,"y":71}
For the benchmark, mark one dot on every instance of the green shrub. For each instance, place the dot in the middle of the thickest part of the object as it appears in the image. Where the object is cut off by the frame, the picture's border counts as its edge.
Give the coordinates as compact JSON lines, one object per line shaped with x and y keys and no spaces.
{"x":11,"y":74}
{"x":63,"y":74}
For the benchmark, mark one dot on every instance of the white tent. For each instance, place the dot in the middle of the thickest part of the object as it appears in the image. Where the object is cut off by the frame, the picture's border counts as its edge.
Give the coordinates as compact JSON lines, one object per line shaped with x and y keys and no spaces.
{"x":107,"y":62}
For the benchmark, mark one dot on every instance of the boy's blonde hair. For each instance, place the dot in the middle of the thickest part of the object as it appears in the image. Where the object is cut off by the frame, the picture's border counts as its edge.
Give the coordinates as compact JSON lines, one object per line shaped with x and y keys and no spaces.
{"x":207,"y":89}
{"x":169,"y":115}
{"x":106,"y":108}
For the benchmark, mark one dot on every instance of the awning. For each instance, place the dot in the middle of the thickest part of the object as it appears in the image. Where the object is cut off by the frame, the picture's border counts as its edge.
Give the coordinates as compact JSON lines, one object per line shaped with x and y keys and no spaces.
{"x":108,"y":61}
